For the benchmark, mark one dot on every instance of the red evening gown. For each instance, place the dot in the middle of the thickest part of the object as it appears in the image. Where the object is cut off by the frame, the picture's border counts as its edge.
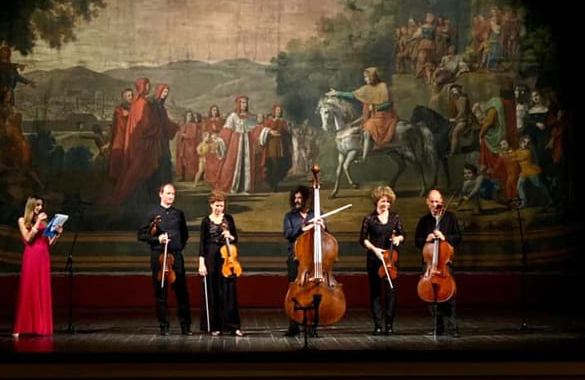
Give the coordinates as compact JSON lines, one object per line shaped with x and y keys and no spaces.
{"x":34,"y":305}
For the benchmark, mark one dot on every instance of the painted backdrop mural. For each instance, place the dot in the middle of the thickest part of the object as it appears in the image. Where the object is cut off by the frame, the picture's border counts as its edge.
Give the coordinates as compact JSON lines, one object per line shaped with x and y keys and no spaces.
{"x":104,"y":100}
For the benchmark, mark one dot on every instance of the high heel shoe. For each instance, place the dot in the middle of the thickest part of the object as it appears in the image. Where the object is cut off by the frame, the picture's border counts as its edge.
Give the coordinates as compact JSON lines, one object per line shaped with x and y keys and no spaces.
{"x":238,"y":332}
{"x":216,"y":333}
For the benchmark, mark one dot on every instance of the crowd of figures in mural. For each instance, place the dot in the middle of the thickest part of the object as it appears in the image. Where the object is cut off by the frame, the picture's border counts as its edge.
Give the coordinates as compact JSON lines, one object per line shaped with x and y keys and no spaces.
{"x":513,"y":143}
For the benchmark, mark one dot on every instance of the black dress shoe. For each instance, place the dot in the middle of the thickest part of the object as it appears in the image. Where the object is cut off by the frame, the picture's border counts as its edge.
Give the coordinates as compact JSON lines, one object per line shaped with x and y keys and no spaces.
{"x":454,"y":334}
{"x":165,"y":331}
{"x":312,"y":332}
{"x":377,"y":331}
{"x":187,"y":332}
{"x":432,"y":332}
{"x":292,"y":332}
{"x":388,"y":331}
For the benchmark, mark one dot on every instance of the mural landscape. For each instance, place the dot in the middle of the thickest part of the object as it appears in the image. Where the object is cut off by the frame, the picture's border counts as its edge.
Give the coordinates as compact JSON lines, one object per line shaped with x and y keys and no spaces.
{"x":476,"y":93}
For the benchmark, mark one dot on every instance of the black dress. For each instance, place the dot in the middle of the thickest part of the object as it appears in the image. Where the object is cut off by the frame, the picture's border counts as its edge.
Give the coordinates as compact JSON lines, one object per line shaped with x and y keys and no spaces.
{"x":221,"y":291}
{"x":379,"y":234}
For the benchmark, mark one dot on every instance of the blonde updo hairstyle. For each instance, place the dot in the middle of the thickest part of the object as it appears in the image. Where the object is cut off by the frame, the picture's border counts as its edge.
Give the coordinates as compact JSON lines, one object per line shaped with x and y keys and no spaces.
{"x":382,"y":191}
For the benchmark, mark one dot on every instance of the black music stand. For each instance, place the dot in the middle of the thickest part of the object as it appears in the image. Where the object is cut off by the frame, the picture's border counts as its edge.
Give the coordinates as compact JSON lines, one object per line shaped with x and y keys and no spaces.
{"x":314,"y":306}
{"x":75,"y":207}
{"x":515,"y":203}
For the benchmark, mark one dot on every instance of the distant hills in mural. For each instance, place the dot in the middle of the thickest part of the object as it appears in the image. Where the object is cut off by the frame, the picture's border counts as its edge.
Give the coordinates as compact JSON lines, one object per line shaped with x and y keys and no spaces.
{"x":194,"y":85}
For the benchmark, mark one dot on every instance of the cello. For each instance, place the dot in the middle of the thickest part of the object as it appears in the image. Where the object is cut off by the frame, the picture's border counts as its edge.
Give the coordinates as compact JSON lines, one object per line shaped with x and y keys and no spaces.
{"x":437,"y":283}
{"x":316,"y":251}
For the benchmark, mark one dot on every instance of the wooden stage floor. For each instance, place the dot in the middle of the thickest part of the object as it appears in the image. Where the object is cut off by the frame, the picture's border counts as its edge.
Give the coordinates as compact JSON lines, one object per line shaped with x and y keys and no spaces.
{"x":121,"y":338}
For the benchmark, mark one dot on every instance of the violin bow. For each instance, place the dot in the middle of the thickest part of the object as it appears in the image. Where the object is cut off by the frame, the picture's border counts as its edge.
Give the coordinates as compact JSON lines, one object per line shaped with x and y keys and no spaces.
{"x":384,"y":264}
{"x":206,"y":303}
{"x":444,"y":209}
{"x":162,"y":283}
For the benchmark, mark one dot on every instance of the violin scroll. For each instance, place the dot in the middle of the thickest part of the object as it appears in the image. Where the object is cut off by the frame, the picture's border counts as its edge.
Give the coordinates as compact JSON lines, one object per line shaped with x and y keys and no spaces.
{"x":153,"y":228}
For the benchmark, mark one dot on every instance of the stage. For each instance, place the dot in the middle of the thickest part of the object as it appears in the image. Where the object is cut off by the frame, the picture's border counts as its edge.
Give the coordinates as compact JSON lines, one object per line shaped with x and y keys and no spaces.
{"x":124,"y":343}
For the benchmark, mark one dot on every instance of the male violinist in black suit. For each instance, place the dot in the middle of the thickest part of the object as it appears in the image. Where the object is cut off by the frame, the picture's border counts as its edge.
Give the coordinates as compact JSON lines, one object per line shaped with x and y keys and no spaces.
{"x":447,"y":230}
{"x":166,"y":224}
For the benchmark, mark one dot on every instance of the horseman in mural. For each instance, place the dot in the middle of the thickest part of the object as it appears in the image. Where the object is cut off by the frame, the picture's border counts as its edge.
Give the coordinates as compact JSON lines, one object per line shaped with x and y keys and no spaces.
{"x":379,"y":124}
{"x":378,"y":116}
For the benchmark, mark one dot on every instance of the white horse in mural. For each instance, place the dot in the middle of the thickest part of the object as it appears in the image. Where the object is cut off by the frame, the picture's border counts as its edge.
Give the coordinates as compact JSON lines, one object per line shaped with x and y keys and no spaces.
{"x":410,"y":143}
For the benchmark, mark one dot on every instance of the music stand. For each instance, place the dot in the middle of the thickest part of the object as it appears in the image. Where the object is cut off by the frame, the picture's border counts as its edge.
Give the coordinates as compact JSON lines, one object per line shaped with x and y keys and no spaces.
{"x":516,"y":203}
{"x":312,"y":306}
{"x":75,"y":207}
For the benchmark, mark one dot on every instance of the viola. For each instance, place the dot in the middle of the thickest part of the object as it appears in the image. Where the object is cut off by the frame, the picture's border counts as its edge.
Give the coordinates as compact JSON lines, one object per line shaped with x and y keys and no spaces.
{"x":229,"y":253}
{"x":165,"y":260}
{"x":437,"y":283}
{"x":316,"y":251}
{"x":391,"y":263}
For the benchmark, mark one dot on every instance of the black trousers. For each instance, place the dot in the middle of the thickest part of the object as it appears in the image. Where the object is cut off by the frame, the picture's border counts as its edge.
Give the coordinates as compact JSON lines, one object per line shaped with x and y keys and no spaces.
{"x":383,"y":309}
{"x":180,"y":287}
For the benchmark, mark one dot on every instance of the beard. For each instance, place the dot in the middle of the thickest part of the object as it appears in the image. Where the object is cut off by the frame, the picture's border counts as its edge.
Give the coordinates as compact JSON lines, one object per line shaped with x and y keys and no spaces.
{"x":299,"y":205}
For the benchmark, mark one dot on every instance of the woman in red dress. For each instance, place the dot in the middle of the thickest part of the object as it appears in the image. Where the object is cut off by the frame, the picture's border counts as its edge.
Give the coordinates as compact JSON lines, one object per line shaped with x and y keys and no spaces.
{"x":34,"y":309}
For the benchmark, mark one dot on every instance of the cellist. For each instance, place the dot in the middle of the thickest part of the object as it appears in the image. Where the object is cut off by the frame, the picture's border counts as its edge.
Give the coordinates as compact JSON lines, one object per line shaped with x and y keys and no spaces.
{"x":381,"y":229}
{"x":447,"y":230}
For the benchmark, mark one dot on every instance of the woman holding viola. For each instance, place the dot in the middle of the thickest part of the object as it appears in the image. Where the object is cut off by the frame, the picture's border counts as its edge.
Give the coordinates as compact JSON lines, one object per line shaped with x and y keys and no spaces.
{"x":219,"y":299}
{"x":381,"y":230}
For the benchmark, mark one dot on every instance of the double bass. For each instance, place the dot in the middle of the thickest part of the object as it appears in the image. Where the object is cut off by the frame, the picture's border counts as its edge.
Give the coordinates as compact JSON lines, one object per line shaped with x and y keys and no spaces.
{"x":437,"y":283}
{"x":316,"y":251}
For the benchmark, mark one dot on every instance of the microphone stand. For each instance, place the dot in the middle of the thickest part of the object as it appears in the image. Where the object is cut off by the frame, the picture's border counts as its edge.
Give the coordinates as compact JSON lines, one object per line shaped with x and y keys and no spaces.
{"x":515,"y":204}
{"x":76,"y":207}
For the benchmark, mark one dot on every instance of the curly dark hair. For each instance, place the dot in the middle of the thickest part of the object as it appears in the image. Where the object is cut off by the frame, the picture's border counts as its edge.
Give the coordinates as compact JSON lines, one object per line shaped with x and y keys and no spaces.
{"x":303,"y":190}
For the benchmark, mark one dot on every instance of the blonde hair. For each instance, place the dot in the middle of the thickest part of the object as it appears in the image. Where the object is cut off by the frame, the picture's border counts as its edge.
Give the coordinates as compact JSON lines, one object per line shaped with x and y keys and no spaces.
{"x":29,"y":211}
{"x":383,"y":191}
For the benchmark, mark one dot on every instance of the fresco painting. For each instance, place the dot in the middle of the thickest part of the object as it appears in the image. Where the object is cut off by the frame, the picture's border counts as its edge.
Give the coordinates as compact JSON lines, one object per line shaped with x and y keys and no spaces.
{"x":104,"y":100}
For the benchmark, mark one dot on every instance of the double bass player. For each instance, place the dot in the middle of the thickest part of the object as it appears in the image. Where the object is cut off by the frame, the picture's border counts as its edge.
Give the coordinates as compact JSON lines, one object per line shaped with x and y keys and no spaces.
{"x":439,"y":224}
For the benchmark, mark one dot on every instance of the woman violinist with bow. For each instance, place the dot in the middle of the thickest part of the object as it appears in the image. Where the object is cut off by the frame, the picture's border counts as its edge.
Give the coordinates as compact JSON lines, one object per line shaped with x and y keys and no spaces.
{"x":442,"y":225}
{"x":219,"y":304}
{"x":381,"y":231}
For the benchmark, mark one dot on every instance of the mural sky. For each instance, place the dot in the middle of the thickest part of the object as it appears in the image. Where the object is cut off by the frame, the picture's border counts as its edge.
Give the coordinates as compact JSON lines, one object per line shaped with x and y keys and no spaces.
{"x":153,"y":33}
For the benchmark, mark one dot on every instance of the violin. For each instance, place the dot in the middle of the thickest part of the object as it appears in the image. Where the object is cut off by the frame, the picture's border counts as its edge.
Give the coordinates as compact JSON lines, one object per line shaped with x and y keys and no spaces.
{"x":229,"y":253}
{"x":165,"y":260}
{"x":437,"y":283}
{"x":390,"y":264}
{"x":315,"y":297}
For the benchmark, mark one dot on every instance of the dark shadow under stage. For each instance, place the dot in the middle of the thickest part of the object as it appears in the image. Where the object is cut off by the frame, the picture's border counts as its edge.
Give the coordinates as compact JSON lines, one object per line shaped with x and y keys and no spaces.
{"x":124,"y":343}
